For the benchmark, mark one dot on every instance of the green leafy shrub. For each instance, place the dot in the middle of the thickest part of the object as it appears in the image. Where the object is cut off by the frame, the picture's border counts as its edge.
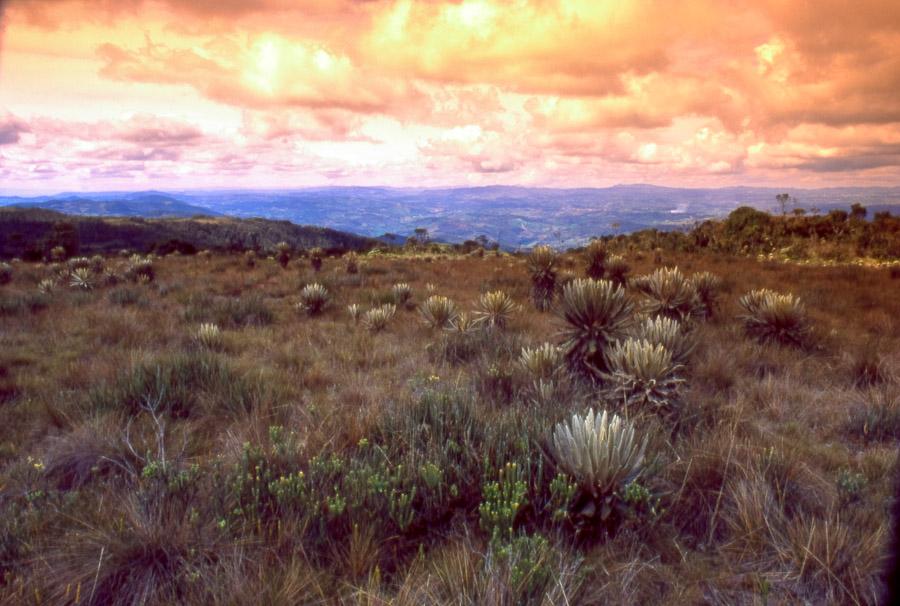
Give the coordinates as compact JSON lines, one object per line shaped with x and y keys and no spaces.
{"x":502,"y":500}
{"x":596,"y":314}
{"x":775,"y":317}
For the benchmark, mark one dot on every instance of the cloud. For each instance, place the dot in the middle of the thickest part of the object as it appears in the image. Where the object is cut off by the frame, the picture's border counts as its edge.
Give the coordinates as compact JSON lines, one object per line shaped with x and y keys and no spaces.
{"x":11,"y":129}
{"x":546,"y":91}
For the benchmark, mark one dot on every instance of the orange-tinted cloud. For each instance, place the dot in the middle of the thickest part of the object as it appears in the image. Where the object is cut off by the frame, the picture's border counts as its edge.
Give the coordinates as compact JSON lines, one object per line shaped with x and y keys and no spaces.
{"x":458,"y":91}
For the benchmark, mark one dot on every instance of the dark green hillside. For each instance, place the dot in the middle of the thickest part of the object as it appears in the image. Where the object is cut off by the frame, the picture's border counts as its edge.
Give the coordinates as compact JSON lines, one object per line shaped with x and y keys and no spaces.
{"x":30,"y":233}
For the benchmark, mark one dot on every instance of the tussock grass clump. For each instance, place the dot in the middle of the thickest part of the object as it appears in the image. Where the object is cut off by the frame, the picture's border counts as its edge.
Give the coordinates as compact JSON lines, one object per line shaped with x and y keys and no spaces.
{"x":314,"y":298}
{"x":669,"y":293}
{"x":229,"y":312}
{"x":601,"y":451}
{"x":595,"y":258}
{"x":250,"y":259}
{"x":669,"y":333}
{"x":210,"y":336}
{"x":11,"y":305}
{"x":438,"y":311}
{"x":182,"y":385}
{"x":875,"y":416}
{"x":149,"y":557}
{"x":355,"y":311}
{"x":378,"y":318}
{"x":495,"y":309}
{"x":543,"y":263}
{"x":596,"y":313}
{"x":775,"y":317}
{"x":642,"y":374}
{"x":126,"y":296}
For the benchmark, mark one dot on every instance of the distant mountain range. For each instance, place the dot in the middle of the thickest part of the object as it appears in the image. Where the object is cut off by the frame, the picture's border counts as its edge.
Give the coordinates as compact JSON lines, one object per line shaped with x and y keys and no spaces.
{"x":31,"y":232}
{"x":137,"y":204}
{"x":514,"y":216}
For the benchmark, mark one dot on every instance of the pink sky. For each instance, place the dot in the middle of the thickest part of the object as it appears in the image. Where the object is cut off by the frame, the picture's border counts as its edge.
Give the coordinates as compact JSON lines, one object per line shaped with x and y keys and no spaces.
{"x":181,"y":94}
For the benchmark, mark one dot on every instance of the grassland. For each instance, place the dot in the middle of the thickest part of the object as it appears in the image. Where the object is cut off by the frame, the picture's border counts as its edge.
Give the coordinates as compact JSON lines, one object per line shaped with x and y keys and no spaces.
{"x":297,"y":456}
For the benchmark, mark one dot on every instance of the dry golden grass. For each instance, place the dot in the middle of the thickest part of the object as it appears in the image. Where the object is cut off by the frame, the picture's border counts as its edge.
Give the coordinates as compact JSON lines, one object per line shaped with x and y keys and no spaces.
{"x":771,"y":485}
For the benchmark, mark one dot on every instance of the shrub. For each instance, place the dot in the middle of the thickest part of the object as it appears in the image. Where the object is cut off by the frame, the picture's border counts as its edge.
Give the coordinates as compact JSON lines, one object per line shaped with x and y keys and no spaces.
{"x":351,"y":259}
{"x":378,"y":318}
{"x":595,"y":256}
{"x":642,"y":374}
{"x":495,"y":309}
{"x":669,"y":294}
{"x":315,"y":258}
{"x":775,"y":317}
{"x":617,"y":270}
{"x":543,"y":263}
{"x":5,"y":273}
{"x":81,"y":279}
{"x":707,"y":286}
{"x":596,"y":313}
{"x":140,"y":270}
{"x":401,"y":293}
{"x":669,"y":333}
{"x":314,"y":299}
{"x":209,"y":335}
{"x":600,"y":451}
{"x":283,"y":253}
{"x":438,"y":311}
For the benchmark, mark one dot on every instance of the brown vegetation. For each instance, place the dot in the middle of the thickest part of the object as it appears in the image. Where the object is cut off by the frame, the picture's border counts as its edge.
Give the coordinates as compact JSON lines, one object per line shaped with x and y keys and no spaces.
{"x":179,"y":433}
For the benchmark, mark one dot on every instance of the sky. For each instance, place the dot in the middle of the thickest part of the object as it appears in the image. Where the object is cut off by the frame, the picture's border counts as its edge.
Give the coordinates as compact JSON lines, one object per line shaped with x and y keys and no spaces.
{"x":203,"y":94}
